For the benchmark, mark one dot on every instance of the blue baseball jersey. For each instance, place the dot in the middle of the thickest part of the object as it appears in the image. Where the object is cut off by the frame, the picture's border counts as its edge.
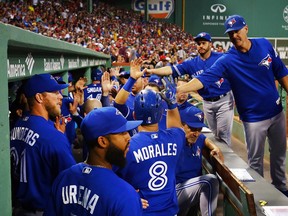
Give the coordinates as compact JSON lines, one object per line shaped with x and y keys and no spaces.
{"x":252,"y":77}
{"x":93,"y":91}
{"x":151,"y":166}
{"x":190,"y":162}
{"x":197,"y":66}
{"x":90,"y":190}
{"x":39,"y":152}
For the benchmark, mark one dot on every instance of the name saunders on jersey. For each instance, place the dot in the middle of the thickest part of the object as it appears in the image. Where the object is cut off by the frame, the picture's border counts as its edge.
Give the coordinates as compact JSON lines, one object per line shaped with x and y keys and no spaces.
{"x":156,"y":150}
{"x":24,"y":134}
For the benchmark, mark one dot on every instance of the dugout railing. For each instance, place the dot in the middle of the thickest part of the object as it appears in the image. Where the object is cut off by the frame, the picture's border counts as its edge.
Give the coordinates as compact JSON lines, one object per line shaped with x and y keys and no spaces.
{"x":22,"y":55}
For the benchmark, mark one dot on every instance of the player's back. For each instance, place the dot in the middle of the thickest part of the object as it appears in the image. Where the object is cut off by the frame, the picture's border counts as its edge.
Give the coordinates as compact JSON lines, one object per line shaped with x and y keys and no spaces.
{"x":151,"y":165}
{"x":39,"y":153}
{"x":93,"y":91}
{"x":90,"y":190}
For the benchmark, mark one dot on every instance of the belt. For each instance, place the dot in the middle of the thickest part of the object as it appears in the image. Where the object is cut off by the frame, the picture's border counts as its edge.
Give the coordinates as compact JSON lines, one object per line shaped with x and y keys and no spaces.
{"x":213,"y":99}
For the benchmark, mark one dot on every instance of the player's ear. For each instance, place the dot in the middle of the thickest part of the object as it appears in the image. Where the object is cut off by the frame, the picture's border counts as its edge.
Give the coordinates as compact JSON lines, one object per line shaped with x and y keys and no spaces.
{"x":39,"y":97}
{"x":103,"y":142}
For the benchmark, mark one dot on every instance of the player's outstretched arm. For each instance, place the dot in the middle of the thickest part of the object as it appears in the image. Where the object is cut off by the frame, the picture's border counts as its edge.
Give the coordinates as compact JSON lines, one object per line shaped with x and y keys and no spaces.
{"x":163,"y":71}
{"x":193,"y":85}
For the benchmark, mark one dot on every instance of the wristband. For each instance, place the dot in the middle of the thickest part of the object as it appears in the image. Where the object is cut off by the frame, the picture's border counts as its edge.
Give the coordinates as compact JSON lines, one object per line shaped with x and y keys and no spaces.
{"x":129,"y":84}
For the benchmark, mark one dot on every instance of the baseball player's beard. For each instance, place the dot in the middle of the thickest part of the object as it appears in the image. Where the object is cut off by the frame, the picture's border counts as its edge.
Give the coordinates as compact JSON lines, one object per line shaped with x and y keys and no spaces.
{"x":115,"y":155}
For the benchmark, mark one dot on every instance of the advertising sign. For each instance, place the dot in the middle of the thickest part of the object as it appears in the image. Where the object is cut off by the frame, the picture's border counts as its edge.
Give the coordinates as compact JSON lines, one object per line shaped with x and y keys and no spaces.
{"x":158,"y":9}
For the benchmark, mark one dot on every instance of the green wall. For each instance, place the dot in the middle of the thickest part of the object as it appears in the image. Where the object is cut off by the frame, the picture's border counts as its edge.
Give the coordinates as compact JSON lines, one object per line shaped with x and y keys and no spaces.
{"x":265,"y":18}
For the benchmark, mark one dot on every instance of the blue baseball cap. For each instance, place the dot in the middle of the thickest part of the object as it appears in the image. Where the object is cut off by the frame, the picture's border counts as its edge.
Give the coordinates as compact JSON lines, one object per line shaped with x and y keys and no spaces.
{"x":40,"y":83}
{"x":155,"y":79}
{"x":96,"y":74}
{"x":203,"y":36}
{"x":124,"y":74}
{"x":104,"y":121}
{"x":193,"y":117}
{"x":70,"y":77}
{"x":234,"y":22}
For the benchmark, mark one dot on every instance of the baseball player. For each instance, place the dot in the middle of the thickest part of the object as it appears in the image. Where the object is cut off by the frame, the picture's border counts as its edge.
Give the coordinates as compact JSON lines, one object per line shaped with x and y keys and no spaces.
{"x":153,"y":153}
{"x":251,"y":66}
{"x":193,"y":188}
{"x":218,"y":101}
{"x":39,"y":152}
{"x":94,"y":90}
{"x":92,"y":188}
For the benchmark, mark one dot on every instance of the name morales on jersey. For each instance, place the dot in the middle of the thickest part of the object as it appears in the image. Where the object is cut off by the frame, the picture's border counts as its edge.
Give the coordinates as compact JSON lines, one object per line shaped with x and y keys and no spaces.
{"x":156,"y":150}
{"x":78,"y":194}
{"x":94,"y":89}
{"x":24,"y":134}
{"x":266,"y":61}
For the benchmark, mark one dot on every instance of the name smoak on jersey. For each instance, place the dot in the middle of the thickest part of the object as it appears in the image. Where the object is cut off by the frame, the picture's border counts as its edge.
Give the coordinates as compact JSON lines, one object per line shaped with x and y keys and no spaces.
{"x":156,"y":150}
{"x":24,"y":134}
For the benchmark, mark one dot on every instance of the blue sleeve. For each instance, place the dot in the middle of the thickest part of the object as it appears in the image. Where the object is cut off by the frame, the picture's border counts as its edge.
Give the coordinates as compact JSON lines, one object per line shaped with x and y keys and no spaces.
{"x":123,"y":108}
{"x":105,"y":101}
{"x":279,"y":68}
{"x":214,"y":73}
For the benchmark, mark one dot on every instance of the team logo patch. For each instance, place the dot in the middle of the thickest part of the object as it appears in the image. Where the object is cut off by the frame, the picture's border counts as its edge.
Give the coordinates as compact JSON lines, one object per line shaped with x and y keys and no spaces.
{"x":86,"y":170}
{"x":219,"y":82}
{"x":154,"y":136}
{"x":231,"y":22}
{"x":200,"y":116}
{"x":266,"y":62}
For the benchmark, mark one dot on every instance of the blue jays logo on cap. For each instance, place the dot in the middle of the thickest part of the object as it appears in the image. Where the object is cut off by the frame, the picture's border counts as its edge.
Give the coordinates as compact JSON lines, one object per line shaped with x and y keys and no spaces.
{"x":234,"y":23}
{"x":193,"y":117}
{"x":200,"y":116}
{"x":266,"y":62}
{"x":231,"y":22}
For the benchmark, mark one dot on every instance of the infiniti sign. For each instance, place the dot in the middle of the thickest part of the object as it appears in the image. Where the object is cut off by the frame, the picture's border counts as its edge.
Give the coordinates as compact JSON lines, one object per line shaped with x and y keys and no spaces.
{"x":218,"y":8}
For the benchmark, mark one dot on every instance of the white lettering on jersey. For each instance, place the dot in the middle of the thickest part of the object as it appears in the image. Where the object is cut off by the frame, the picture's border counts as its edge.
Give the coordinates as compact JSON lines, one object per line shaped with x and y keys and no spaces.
{"x":156,"y":150}
{"x":24,"y":134}
{"x":94,"y":89}
{"x":80,"y":195}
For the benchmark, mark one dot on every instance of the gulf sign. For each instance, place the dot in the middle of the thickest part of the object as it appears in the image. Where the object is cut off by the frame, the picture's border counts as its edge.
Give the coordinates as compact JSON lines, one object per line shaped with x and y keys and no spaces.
{"x":160,"y":9}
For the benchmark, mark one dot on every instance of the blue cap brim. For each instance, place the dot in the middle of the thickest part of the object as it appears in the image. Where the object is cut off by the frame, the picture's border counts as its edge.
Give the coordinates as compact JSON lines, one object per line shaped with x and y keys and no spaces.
{"x":196,"y":125}
{"x":233,"y":29}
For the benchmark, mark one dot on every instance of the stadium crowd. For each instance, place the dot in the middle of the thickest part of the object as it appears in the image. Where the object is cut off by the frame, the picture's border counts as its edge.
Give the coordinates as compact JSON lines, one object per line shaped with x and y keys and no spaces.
{"x":121,"y":33}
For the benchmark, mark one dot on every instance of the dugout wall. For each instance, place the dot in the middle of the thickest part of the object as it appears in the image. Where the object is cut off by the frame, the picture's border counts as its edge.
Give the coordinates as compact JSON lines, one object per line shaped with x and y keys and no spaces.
{"x":22,"y":55}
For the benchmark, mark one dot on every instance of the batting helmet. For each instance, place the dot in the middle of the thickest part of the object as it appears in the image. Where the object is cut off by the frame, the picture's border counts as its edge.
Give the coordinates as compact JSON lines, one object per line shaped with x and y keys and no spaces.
{"x":148,"y":107}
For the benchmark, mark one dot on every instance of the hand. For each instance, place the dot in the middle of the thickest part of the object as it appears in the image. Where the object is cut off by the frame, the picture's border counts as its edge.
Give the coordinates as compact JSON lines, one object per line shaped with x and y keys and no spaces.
{"x":106,"y":83}
{"x":135,"y":68}
{"x":217,"y":152}
{"x":144,"y":202}
{"x":169,"y":92}
{"x":60,"y":124}
{"x":115,"y":71}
